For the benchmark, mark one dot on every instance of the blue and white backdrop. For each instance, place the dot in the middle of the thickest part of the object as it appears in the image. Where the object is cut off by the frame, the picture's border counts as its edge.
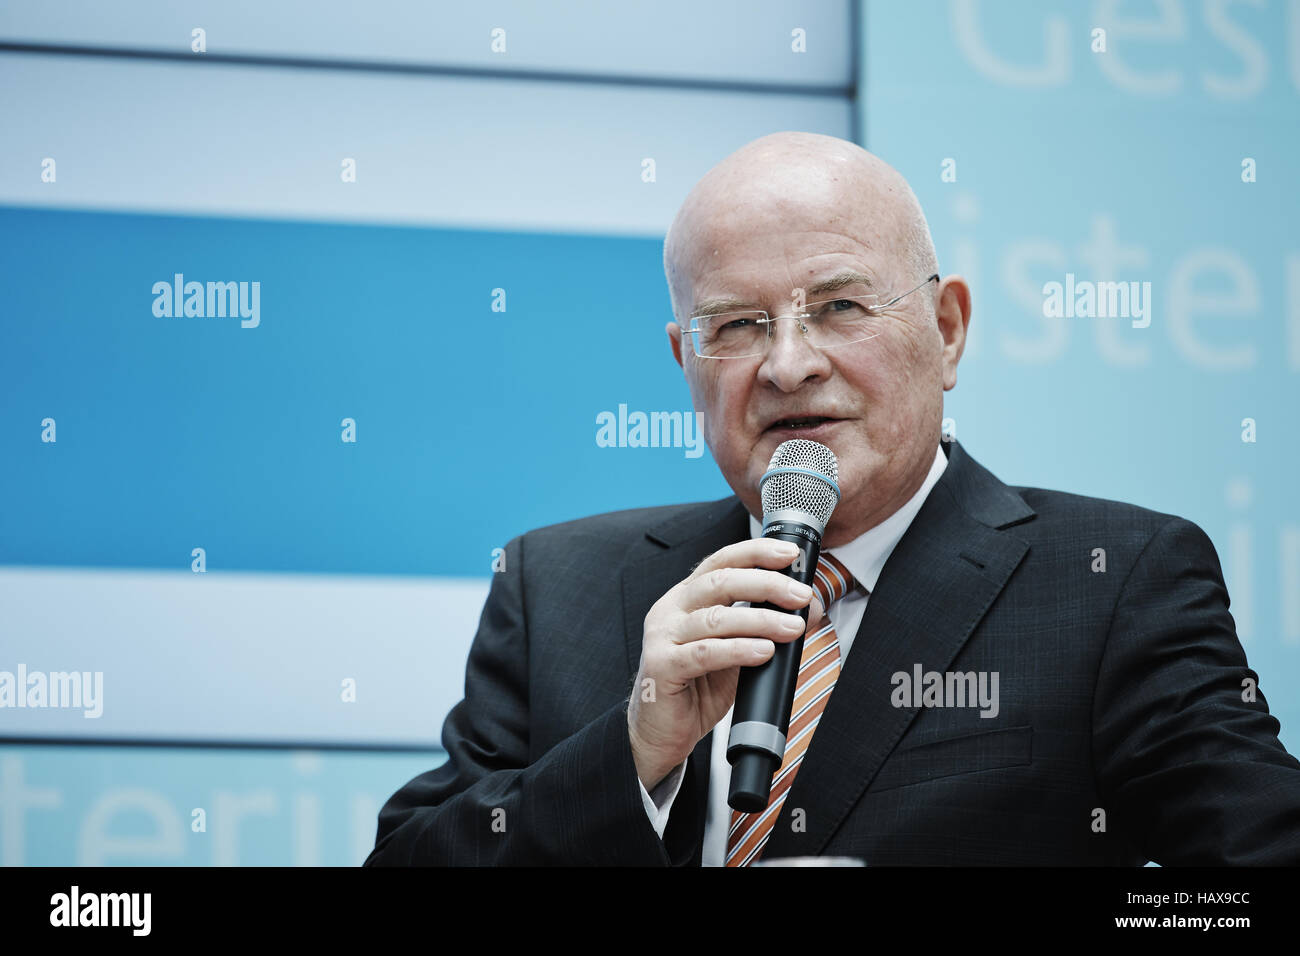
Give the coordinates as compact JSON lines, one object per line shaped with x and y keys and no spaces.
{"x":428,"y":242}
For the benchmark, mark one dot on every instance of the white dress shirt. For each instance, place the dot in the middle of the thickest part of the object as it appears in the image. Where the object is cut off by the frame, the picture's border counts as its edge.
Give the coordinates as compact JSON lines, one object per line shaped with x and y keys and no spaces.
{"x":865,"y":557}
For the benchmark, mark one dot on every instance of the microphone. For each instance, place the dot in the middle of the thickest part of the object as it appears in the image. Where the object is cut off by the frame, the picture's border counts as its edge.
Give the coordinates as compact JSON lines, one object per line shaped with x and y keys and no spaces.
{"x":799,"y":492}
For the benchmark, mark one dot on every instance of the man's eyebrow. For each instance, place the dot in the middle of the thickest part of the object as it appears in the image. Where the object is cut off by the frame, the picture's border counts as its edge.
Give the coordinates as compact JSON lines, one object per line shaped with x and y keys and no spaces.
{"x":722,"y":304}
{"x":839,"y":281}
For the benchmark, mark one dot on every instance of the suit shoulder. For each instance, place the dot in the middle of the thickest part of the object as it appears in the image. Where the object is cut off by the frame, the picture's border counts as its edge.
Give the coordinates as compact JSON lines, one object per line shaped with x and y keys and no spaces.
{"x":1054,"y":506}
{"x":630,"y":524}
{"x":1067,"y":524}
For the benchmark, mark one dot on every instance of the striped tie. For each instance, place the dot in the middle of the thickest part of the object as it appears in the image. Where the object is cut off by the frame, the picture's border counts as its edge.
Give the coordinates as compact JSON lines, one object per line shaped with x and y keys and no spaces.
{"x":819,"y":668}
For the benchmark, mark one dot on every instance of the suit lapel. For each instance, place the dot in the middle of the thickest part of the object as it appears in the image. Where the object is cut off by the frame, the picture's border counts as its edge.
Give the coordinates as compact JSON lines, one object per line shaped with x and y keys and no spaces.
{"x":941,"y":578}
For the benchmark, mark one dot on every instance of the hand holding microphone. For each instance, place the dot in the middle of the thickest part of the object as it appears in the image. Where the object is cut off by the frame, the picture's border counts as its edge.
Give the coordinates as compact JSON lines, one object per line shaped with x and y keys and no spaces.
{"x":697,"y":647}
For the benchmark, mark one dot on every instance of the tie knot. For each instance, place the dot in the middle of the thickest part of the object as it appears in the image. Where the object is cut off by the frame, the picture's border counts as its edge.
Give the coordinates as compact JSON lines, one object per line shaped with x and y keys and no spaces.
{"x":832,"y":579}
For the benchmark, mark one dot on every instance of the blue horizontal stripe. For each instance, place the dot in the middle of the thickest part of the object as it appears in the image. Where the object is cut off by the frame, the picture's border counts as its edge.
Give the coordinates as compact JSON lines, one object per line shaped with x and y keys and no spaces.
{"x":472,"y":425}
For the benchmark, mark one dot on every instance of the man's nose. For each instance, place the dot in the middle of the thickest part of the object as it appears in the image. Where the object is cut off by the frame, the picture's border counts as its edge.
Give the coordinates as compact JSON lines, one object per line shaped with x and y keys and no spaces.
{"x":791,"y":359}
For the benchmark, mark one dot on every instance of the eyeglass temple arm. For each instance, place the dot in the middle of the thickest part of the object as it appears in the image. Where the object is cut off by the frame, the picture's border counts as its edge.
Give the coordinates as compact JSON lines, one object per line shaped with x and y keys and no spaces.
{"x":932,"y":278}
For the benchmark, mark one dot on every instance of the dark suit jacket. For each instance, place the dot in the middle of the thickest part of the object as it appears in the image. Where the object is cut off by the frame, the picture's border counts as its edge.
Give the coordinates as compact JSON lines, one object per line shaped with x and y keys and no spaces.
{"x":1121,"y":737}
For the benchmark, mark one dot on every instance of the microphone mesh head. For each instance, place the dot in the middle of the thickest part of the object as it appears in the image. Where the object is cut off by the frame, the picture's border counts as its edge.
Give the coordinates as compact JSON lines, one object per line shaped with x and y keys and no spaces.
{"x":807,"y":493}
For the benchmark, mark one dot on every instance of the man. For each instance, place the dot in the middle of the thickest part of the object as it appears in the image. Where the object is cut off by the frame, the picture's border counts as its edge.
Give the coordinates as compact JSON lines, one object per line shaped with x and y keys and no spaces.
{"x":979,"y":691}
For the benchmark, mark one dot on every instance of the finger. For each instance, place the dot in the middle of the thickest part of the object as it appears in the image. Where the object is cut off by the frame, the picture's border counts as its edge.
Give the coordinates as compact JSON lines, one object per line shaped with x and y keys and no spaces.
{"x":738,"y":622}
{"x":755,"y":585}
{"x":754,"y":553}
{"x":689,"y":661}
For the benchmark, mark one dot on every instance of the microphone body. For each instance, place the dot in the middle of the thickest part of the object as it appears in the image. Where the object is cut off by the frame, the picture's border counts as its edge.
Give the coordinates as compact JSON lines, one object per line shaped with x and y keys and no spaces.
{"x":760,"y":720}
{"x":799,"y":493}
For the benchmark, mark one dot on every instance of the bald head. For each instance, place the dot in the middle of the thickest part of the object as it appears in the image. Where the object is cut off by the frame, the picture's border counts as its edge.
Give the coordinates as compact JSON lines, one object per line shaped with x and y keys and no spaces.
{"x":800,"y":181}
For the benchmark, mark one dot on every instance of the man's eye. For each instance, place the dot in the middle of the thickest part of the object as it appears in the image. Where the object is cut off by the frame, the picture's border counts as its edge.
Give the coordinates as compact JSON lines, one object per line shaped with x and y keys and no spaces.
{"x":738,"y":323}
{"x":843,"y":307}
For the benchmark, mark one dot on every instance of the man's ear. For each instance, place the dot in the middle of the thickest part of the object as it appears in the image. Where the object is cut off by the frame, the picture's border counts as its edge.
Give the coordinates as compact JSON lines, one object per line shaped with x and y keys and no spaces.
{"x":952,"y":310}
{"x":675,"y":340}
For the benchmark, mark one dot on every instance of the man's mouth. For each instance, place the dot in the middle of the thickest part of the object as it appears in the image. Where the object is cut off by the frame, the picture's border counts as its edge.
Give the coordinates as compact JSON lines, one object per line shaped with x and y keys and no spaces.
{"x":804,"y":422}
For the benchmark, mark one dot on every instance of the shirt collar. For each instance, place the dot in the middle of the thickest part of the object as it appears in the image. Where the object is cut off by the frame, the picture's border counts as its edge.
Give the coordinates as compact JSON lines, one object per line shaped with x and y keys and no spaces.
{"x":865,"y":555}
